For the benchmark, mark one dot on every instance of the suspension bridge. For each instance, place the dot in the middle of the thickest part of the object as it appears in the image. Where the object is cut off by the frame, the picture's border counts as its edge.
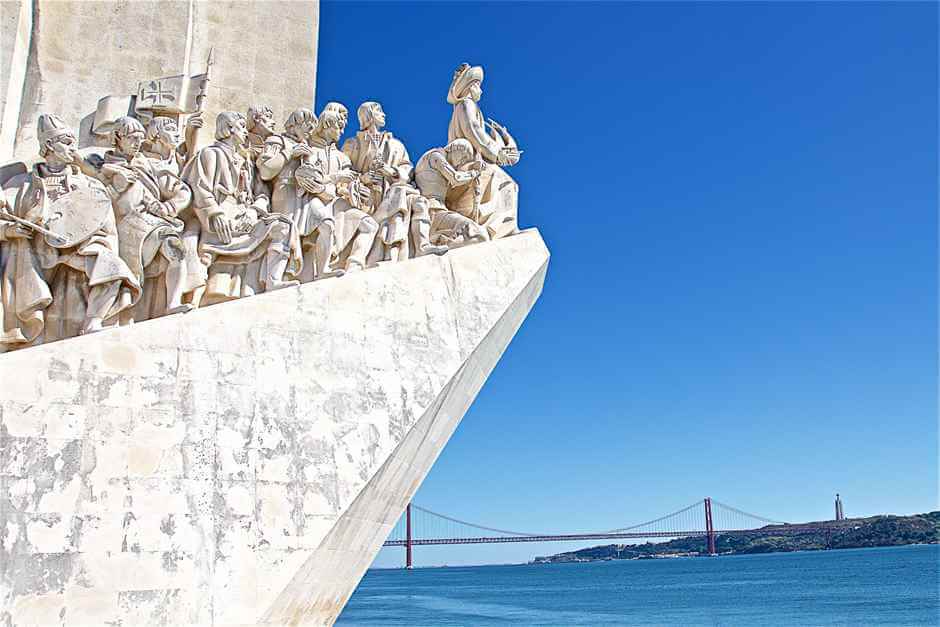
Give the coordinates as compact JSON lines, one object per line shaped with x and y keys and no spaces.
{"x":706,"y":518}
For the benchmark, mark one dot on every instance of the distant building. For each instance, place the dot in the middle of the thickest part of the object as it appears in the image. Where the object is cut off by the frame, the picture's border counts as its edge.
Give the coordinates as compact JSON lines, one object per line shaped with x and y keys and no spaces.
{"x":840,"y":514}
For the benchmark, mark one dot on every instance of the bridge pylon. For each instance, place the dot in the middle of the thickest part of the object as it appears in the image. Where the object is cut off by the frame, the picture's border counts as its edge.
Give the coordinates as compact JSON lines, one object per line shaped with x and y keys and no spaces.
{"x":408,"y":539}
{"x":709,"y":526}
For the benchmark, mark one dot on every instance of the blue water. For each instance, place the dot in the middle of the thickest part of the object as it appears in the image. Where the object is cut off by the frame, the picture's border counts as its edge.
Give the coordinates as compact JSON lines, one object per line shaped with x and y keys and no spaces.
{"x":884,"y":586}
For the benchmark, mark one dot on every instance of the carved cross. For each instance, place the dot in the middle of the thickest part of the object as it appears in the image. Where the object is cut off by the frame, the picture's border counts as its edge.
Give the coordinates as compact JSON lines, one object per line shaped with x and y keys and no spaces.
{"x":155,"y":91}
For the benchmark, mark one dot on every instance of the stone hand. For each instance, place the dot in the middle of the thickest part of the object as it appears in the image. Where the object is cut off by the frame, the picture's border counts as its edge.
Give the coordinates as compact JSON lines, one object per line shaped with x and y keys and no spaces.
{"x":194,"y":121}
{"x":16,"y":231}
{"x":124,"y":178}
{"x":300,"y":151}
{"x":222,"y":228}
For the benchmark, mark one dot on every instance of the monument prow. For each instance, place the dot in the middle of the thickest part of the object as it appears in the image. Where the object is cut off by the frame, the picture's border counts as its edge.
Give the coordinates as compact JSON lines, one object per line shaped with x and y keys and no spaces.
{"x":243,"y":463}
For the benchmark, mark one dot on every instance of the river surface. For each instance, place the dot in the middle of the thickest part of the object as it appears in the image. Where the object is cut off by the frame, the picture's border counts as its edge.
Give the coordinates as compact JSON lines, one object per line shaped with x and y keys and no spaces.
{"x":882,"y":586}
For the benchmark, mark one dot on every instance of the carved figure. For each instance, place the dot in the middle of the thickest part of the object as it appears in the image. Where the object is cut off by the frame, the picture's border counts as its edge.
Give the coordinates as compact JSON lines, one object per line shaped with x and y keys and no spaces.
{"x":327,"y":175}
{"x":147,"y":201}
{"x":251,"y":249}
{"x":311,"y":216}
{"x":385,"y":167}
{"x":167,"y":156}
{"x":496,"y":196}
{"x":87,"y":280}
{"x":450,"y":171}
{"x":261,"y":125}
{"x":24,"y":294}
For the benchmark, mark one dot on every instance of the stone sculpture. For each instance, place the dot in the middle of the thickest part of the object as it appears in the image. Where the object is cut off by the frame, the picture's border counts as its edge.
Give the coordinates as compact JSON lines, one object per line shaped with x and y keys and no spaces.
{"x":328,"y":176}
{"x":147,"y":201}
{"x":495,"y":200}
{"x":385,"y":168}
{"x":155,"y":227}
{"x":251,"y":249}
{"x":446,"y":171}
{"x":87,"y":282}
{"x":279,"y":160}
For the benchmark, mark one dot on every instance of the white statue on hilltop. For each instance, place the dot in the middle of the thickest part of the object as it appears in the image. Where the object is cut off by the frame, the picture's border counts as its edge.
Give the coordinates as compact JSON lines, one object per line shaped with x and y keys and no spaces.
{"x":147,"y":201}
{"x":495,"y":201}
{"x":385,"y":167}
{"x":89,"y":284}
{"x":251,"y":249}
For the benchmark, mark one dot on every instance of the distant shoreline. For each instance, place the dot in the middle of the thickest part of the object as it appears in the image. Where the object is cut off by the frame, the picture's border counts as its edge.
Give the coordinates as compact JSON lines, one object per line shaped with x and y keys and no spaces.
{"x":855,"y":533}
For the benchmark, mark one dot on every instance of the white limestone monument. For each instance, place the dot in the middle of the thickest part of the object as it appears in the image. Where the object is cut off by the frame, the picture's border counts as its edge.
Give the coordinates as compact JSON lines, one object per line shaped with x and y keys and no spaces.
{"x":231,"y":350}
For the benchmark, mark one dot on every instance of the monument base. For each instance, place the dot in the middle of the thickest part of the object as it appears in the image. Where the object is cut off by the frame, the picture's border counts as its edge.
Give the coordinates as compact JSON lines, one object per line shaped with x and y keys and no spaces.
{"x":242,"y":464}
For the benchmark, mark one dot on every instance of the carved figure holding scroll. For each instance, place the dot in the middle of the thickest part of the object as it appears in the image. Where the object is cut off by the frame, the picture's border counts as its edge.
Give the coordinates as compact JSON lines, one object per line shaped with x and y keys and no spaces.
{"x":335,"y":188}
{"x":147,"y":201}
{"x":385,"y":167}
{"x":497,"y":195}
{"x":451,"y":171}
{"x":89,"y":282}
{"x":251,"y":249}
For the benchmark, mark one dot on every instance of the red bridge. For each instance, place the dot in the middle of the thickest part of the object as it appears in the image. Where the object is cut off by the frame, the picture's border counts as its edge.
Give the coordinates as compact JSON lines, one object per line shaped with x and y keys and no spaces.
{"x":707,"y":518}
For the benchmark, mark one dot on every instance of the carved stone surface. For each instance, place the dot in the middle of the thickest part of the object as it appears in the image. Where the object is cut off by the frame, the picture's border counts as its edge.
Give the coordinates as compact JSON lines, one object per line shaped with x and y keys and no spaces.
{"x":82,"y":50}
{"x":242,"y":464}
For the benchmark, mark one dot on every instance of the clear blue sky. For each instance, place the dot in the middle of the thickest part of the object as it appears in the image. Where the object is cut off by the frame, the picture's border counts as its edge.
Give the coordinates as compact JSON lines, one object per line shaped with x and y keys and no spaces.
{"x":741,"y":204}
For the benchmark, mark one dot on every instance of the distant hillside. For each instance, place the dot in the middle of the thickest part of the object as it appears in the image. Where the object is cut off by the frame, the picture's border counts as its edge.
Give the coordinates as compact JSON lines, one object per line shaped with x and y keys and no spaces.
{"x":850,"y":534}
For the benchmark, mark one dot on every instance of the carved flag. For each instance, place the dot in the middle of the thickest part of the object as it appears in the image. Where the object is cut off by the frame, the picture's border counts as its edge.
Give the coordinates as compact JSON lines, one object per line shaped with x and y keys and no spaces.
{"x":171,"y":94}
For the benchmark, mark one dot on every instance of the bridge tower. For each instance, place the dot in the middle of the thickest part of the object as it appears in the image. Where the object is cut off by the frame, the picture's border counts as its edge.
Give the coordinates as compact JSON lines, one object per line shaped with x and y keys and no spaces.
{"x":840,"y":515}
{"x":408,"y":540}
{"x":709,"y":526}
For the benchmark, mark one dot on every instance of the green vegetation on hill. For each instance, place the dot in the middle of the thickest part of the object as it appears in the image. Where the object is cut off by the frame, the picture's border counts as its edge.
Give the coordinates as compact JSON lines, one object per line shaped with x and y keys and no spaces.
{"x":846,"y":534}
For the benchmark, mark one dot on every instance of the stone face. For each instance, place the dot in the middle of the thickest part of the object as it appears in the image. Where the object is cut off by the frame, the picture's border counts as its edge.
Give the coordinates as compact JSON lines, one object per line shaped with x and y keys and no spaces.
{"x":56,"y":62}
{"x":243,"y":463}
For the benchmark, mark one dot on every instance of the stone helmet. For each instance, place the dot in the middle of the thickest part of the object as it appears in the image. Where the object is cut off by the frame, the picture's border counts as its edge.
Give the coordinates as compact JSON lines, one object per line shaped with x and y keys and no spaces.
{"x":50,"y":126}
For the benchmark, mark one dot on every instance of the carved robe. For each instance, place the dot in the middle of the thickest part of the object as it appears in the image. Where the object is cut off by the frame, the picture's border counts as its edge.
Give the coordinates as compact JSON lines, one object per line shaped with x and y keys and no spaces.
{"x":391,"y":200}
{"x":225,"y":184}
{"x":437,"y":178}
{"x":493,"y":200}
{"x":24,"y":294}
{"x":142,"y":235}
{"x":339,"y":196}
{"x":89,"y":278}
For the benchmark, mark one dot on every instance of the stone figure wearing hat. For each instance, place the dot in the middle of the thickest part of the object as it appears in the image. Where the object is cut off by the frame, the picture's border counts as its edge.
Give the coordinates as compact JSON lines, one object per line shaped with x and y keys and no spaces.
{"x":450,"y":171}
{"x":495,"y":201}
{"x":385,"y":167}
{"x":251,"y":250}
{"x":88,"y":282}
{"x":147,"y":201}
{"x":279,"y":161}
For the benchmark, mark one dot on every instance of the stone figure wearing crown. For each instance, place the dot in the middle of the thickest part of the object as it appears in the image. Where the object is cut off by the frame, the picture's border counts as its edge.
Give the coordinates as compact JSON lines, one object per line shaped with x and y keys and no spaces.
{"x":385,"y":167}
{"x":88,"y":282}
{"x":148,"y":197}
{"x":251,"y":250}
{"x":494,"y":201}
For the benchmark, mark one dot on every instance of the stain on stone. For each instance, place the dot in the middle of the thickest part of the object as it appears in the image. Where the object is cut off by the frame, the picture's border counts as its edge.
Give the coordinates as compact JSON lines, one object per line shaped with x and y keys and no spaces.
{"x":168,"y":525}
{"x":118,"y":357}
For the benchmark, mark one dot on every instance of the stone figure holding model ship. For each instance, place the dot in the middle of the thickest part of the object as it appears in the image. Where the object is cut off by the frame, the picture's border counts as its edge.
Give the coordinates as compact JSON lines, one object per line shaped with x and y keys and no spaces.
{"x":494,"y":203}
{"x":155,"y":227}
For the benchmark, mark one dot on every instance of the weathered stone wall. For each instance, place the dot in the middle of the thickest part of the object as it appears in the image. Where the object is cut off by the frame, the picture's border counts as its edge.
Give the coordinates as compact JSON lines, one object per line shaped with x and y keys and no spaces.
{"x":243,"y":463}
{"x":81,"y":51}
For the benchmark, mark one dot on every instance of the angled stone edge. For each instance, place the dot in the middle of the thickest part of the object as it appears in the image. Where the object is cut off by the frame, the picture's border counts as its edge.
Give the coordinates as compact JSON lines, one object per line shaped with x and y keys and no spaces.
{"x":244,"y":462}
{"x":320,"y":589}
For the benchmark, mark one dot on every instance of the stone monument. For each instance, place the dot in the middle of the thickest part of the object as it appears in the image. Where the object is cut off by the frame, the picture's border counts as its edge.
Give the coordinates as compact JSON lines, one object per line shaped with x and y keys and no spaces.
{"x":225,"y":368}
